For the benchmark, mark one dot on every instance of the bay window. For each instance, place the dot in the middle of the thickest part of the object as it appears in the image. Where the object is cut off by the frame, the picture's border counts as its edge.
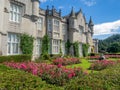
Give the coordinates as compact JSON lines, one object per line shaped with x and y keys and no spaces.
{"x":38,"y":46}
{"x":49,"y":24}
{"x":56,"y":46}
{"x":56,"y":25}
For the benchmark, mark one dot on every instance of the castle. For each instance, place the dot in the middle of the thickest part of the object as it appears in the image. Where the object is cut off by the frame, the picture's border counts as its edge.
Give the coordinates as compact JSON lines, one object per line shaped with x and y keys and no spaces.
{"x":26,"y":16}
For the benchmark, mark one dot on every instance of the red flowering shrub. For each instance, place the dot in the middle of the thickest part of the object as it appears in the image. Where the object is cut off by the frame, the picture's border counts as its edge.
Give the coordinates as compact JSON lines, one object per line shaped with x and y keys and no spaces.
{"x":50,"y":73}
{"x":66,"y":61}
{"x":99,"y":65}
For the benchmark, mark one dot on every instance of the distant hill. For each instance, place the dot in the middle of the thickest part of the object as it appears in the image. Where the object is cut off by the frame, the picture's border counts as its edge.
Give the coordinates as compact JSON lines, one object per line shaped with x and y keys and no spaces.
{"x":105,"y":44}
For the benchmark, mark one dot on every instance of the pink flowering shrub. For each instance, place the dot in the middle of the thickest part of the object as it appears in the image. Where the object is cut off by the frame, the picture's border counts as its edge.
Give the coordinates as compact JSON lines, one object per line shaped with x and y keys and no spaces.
{"x":106,"y":56}
{"x":66,"y":61}
{"x":100,"y":65}
{"x":52,"y":74}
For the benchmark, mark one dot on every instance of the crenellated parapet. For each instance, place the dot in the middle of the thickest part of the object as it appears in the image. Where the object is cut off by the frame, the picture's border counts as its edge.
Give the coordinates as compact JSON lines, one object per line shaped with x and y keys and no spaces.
{"x":53,"y":12}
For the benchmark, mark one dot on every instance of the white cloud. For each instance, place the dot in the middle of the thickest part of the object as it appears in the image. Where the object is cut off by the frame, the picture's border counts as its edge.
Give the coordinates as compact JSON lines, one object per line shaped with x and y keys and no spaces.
{"x":107,"y":28}
{"x":89,"y":2}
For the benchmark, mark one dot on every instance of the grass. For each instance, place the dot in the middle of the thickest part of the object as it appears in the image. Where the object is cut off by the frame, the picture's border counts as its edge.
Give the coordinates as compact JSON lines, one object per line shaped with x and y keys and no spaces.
{"x":84,"y":65}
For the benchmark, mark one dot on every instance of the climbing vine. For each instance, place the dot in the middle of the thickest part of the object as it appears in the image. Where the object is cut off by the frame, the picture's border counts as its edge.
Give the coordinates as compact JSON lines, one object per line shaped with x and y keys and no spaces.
{"x":45,"y":44}
{"x":26,"y":43}
{"x":67,"y":46}
{"x":85,"y":49}
{"x":76,"y":49}
{"x":60,"y":48}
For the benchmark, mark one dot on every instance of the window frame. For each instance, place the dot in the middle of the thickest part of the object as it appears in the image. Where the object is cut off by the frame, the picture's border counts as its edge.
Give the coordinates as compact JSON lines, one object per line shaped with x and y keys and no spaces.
{"x":13,"y":43}
{"x":15,"y":14}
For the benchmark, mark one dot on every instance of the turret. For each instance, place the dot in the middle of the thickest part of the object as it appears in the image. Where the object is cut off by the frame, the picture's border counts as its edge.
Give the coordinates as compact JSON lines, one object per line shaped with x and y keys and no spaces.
{"x":91,"y":25}
{"x":35,"y":9}
{"x":72,"y":14}
{"x":72,"y":19}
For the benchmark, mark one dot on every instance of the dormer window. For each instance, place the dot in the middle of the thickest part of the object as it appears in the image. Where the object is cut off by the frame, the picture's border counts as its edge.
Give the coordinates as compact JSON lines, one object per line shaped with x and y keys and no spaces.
{"x":15,"y":13}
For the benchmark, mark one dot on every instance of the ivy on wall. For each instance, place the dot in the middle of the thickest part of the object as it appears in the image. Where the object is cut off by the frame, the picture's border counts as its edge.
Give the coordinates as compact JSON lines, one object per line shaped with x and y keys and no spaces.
{"x":67,"y":46}
{"x":76,"y":49}
{"x":60,"y":47}
{"x":26,"y":43}
{"x":45,"y":44}
{"x":85,"y":49}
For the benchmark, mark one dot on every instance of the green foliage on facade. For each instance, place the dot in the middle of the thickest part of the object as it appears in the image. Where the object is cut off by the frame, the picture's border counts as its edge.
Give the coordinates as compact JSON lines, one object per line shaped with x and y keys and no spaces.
{"x":60,"y":48}
{"x":26,"y":44}
{"x":76,"y":49}
{"x":67,"y":46}
{"x":45,"y":48}
{"x":85,"y":49}
{"x":45,"y":44}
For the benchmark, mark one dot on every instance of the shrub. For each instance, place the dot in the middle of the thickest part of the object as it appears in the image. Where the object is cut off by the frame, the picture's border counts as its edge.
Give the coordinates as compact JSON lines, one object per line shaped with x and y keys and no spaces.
{"x":50,"y":73}
{"x":100,"y":65}
{"x":26,"y":44}
{"x":108,"y":79}
{"x":11,"y":79}
{"x":66,"y":61}
{"x":85,"y":49}
{"x":15,"y":58}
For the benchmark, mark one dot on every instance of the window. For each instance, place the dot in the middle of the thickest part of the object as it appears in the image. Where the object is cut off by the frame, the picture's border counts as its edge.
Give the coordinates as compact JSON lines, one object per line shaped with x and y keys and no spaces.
{"x":81,"y":29}
{"x":40,"y":24}
{"x":15,"y":13}
{"x":38,"y":46}
{"x":13,"y":44}
{"x":49,"y":24}
{"x":56,"y":25}
{"x":64,"y":29}
{"x":56,"y":45}
{"x":56,"y":34}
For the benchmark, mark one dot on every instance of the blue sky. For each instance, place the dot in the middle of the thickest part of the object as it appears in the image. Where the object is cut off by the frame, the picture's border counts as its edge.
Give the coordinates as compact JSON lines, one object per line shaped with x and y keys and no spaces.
{"x":105,"y":13}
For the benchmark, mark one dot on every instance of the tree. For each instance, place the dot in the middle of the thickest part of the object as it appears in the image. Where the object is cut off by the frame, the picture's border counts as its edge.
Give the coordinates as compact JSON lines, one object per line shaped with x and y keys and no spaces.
{"x":114,"y":48}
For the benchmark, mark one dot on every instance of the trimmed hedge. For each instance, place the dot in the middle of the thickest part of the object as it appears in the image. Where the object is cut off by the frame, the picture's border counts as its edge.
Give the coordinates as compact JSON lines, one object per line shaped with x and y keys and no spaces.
{"x":15,"y":58}
{"x":108,"y":79}
{"x":11,"y":79}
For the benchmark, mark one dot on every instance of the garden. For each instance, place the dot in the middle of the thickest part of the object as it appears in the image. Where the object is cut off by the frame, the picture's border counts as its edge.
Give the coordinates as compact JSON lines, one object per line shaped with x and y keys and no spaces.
{"x":57,"y":72}
{"x":66,"y":73}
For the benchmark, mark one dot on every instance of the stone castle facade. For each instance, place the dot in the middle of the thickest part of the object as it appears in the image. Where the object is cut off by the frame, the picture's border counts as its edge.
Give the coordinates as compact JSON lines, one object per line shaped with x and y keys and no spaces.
{"x":25,"y":16}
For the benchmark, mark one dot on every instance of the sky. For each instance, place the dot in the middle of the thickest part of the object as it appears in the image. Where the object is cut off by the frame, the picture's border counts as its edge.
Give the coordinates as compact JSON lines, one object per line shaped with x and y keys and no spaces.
{"x":105,"y":13}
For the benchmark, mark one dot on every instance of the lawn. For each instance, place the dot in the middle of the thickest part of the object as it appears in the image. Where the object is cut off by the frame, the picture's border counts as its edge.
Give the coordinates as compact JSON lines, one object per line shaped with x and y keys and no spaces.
{"x":84,"y":65}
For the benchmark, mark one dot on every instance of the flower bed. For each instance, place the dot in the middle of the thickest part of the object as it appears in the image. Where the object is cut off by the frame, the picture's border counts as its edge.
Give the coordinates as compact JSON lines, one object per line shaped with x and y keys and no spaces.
{"x":100,"y":65}
{"x":106,"y":56}
{"x":66,"y":61}
{"x":50,"y":73}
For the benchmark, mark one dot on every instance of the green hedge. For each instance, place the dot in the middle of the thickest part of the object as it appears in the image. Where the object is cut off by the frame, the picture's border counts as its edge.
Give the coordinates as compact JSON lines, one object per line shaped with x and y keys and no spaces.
{"x":11,"y":79}
{"x":108,"y":79}
{"x":15,"y":58}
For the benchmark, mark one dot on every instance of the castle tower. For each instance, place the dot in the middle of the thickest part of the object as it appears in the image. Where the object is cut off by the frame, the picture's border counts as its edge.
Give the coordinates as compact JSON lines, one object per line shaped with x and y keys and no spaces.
{"x":35,"y":9}
{"x":72,"y":19}
{"x":91,"y":25}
